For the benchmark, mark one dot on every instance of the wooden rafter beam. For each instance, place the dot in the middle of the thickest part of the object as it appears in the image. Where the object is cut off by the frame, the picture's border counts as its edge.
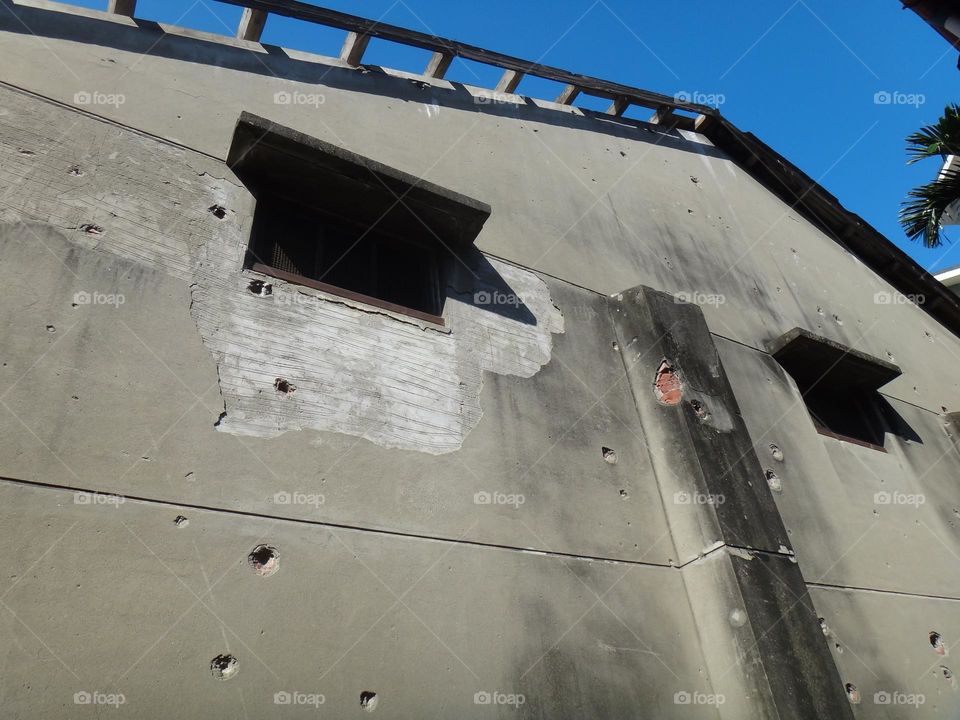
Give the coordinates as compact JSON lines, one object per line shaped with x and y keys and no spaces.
{"x":353,"y":48}
{"x":508,"y":81}
{"x":251,"y":25}
{"x":438,"y":65}
{"x":122,"y":7}
{"x":568,"y":95}
{"x":363,"y":27}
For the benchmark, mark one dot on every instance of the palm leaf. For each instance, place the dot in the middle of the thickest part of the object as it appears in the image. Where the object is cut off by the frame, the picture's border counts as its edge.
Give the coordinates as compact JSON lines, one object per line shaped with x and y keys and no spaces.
{"x":922,"y":212}
{"x":942,"y":138}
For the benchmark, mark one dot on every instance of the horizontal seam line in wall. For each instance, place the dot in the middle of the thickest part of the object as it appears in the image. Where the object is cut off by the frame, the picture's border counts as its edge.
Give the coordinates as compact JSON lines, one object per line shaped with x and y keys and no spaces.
{"x":108,"y":121}
{"x":321,"y":523}
{"x":900,"y":593}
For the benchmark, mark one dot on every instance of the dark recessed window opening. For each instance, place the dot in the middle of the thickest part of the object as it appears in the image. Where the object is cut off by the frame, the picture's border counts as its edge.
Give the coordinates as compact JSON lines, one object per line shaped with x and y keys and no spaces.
{"x":840,"y":387}
{"x":336,"y":221}
{"x":307,"y":245}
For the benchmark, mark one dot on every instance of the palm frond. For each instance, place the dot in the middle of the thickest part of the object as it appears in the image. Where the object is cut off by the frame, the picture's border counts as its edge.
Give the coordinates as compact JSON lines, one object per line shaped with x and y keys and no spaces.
{"x":922,"y":212}
{"x":942,"y":138}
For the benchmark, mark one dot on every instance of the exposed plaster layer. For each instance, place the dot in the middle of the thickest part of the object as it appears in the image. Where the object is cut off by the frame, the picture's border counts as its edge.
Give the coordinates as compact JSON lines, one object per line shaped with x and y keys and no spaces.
{"x":392,"y":381}
{"x":355,"y":369}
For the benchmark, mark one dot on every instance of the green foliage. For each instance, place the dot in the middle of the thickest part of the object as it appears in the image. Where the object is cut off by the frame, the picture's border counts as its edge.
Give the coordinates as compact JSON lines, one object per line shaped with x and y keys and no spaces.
{"x":922,"y":212}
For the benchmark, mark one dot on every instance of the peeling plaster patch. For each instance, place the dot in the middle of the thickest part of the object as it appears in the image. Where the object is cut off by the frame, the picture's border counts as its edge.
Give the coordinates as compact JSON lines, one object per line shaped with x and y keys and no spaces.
{"x":395,"y":381}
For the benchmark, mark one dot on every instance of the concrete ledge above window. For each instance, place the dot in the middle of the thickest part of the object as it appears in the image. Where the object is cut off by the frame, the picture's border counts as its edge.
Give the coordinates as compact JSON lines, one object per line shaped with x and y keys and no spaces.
{"x":331,"y":219}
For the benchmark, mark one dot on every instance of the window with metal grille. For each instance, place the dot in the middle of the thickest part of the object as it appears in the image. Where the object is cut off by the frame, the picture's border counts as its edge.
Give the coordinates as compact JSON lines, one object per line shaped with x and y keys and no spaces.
{"x":311,"y":248}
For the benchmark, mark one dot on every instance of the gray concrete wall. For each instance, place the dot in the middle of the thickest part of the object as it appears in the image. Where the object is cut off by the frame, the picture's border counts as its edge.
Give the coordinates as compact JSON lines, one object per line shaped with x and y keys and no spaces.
{"x":602,"y":594}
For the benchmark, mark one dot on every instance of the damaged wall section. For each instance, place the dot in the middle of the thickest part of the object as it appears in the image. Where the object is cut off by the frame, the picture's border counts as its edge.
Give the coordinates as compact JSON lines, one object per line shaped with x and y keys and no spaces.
{"x":393,"y":380}
{"x":355,"y":369}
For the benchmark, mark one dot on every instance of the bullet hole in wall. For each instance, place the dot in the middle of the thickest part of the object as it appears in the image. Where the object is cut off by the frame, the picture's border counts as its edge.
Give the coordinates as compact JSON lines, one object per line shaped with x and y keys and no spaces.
{"x":284,"y":387}
{"x":224,"y":667}
{"x":700,"y":410}
{"x":264,"y":560}
{"x":773,"y":481}
{"x":936,"y":642}
{"x":853,"y":695}
{"x":218,"y":211}
{"x":368,"y":700}
{"x":609,"y":455}
{"x":261,"y":288}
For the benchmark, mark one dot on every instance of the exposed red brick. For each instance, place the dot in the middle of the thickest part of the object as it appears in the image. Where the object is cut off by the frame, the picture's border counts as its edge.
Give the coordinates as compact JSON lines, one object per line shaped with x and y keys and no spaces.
{"x":667,"y":386}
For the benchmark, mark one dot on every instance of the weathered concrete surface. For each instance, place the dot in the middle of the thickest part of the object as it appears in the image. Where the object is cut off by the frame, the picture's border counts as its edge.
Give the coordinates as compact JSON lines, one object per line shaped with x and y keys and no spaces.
{"x":881,"y":643}
{"x":424,"y":625}
{"x":142,"y":377}
{"x":124,"y":398}
{"x":856,"y":516}
{"x":621,"y":209}
{"x":399,"y":383}
{"x":706,"y":467}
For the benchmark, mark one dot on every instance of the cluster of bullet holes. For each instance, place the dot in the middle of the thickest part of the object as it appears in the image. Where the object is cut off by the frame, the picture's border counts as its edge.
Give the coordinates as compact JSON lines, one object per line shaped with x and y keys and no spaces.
{"x":224,"y":667}
{"x":76,"y":171}
{"x":609,"y":454}
{"x":259,"y":287}
{"x":667,"y":385}
{"x":218,"y":211}
{"x":284,"y":387}
{"x":368,"y":700}
{"x":264,"y":560}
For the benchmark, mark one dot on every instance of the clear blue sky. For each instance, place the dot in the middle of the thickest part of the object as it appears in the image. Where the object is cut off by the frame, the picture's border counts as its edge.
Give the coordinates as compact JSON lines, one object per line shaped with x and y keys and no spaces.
{"x":800,"y":74}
